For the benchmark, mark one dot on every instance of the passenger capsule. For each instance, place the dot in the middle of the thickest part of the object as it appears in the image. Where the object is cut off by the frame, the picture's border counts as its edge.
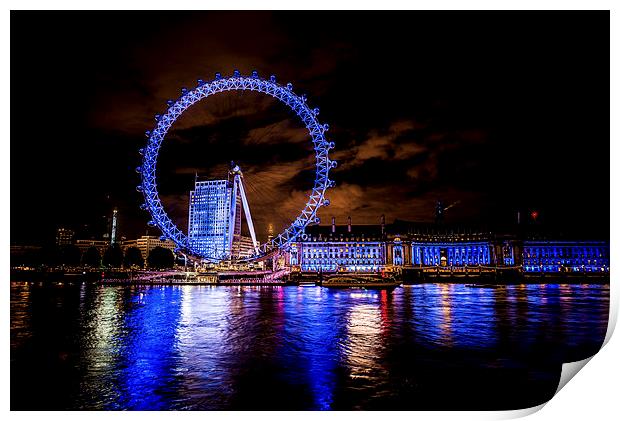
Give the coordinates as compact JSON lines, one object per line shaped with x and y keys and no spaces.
{"x":254,"y":74}
{"x":316,"y":111}
{"x":163,"y":238}
{"x":138,"y":170}
{"x":183,"y":91}
{"x":289,"y":86}
{"x":144,"y":206}
{"x":170,"y":102}
{"x":139,"y":189}
{"x":157,"y":117}
{"x":141,"y":151}
{"x":200,"y":82}
{"x":326,"y":202}
{"x":218,"y":76}
{"x":317,"y":220}
{"x":236,"y":73}
{"x":151,"y":223}
{"x":325,"y":127}
{"x":272,"y":78}
{"x":333,"y":164}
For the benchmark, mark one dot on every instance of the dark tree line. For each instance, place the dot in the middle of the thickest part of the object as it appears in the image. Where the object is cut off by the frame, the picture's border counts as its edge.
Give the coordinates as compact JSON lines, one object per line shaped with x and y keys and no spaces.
{"x":160,"y":258}
{"x":113,"y":257}
{"x":133,"y":257}
{"x":91,"y":258}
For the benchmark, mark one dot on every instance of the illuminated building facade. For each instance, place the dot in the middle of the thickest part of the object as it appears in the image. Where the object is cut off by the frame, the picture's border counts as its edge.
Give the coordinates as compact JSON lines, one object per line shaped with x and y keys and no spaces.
{"x":100,"y":245}
{"x":350,"y":248}
{"x":215,"y":217}
{"x":332,"y":254}
{"x":451,"y":254}
{"x":370,"y":248}
{"x":243,"y":248}
{"x":147,"y":243}
{"x":125,"y":244}
{"x":558,"y":256}
{"x":64,"y":237}
{"x":212,"y":223}
{"x":114,"y":226}
{"x":419,"y":245}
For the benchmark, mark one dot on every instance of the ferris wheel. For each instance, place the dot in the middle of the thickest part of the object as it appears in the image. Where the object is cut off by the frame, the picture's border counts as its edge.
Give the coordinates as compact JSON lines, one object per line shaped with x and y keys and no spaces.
{"x":237,"y":82}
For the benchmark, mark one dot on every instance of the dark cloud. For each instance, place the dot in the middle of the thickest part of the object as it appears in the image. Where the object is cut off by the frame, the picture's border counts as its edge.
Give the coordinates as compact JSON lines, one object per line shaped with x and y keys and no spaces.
{"x":500,"y":111}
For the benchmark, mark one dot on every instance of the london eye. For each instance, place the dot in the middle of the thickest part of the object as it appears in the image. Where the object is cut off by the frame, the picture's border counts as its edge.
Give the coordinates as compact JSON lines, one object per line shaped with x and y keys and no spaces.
{"x":236,"y":82}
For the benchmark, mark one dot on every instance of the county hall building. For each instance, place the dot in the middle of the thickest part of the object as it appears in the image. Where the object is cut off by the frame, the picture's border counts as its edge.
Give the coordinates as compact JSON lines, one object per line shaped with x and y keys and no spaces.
{"x":372,"y":248}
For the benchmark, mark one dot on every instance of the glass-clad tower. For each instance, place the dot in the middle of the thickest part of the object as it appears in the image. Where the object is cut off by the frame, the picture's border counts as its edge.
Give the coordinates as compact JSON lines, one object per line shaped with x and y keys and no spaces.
{"x":215,"y":217}
{"x":214,"y":223}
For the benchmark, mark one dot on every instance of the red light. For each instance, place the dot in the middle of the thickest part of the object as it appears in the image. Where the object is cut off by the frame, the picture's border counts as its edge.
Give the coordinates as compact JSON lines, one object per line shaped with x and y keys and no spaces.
{"x":534,"y":215}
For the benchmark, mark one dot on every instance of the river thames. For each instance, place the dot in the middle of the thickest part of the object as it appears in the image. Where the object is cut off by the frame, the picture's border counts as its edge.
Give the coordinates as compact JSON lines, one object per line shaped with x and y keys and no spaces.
{"x":429,"y":346}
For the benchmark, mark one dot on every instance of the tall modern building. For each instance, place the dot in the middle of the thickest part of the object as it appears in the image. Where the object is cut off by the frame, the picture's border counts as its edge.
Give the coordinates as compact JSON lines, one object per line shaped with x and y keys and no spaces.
{"x":113,"y":234}
{"x":215,"y":216}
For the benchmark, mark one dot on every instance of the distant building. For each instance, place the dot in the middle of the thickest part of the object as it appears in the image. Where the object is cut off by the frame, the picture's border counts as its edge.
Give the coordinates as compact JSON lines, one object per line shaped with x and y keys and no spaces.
{"x":243,"y":248}
{"x":100,"y":245}
{"x":25,"y":256}
{"x":64,"y":237}
{"x":270,"y":232}
{"x":147,"y":243}
{"x":125,"y":244}
{"x":114,"y":228}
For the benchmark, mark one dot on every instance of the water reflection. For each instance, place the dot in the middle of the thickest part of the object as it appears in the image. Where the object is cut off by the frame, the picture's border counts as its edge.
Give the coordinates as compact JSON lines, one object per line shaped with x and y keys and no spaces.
{"x":21,"y":313}
{"x":363,"y":344}
{"x":206,"y":347}
{"x":311,"y":347}
{"x":201,"y":335}
{"x":145,"y":366}
{"x":445,"y":325}
{"x":103,"y":323}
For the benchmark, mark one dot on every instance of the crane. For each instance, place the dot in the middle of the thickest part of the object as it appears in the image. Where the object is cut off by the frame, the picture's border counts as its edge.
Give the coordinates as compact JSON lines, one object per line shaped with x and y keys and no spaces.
{"x":440,"y":209}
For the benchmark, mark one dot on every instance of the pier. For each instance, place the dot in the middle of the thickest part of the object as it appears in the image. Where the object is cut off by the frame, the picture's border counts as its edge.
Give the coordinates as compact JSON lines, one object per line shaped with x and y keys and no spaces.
{"x":285,"y":276}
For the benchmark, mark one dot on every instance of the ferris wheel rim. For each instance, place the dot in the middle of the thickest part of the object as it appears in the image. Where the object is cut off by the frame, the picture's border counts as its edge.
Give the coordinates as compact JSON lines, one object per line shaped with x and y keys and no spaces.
{"x":237,"y":82}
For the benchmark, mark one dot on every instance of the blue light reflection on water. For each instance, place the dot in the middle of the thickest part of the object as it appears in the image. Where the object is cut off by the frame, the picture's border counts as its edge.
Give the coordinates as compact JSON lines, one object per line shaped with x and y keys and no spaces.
{"x":205,"y":347}
{"x":310,"y":349}
{"x":453,"y":316}
{"x":150,"y":331}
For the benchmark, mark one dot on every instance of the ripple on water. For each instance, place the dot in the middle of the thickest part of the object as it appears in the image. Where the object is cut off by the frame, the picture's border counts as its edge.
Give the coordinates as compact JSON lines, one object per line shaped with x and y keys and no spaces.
{"x":202,"y":347}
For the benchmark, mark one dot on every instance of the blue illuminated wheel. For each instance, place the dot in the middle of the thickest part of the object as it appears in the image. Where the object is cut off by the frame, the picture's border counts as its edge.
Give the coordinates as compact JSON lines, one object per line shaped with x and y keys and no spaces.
{"x":237,"y":82}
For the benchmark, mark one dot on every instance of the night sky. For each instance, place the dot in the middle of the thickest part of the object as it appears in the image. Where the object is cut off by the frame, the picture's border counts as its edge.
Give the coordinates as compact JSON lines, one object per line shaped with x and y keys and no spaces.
{"x":499,"y":111}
